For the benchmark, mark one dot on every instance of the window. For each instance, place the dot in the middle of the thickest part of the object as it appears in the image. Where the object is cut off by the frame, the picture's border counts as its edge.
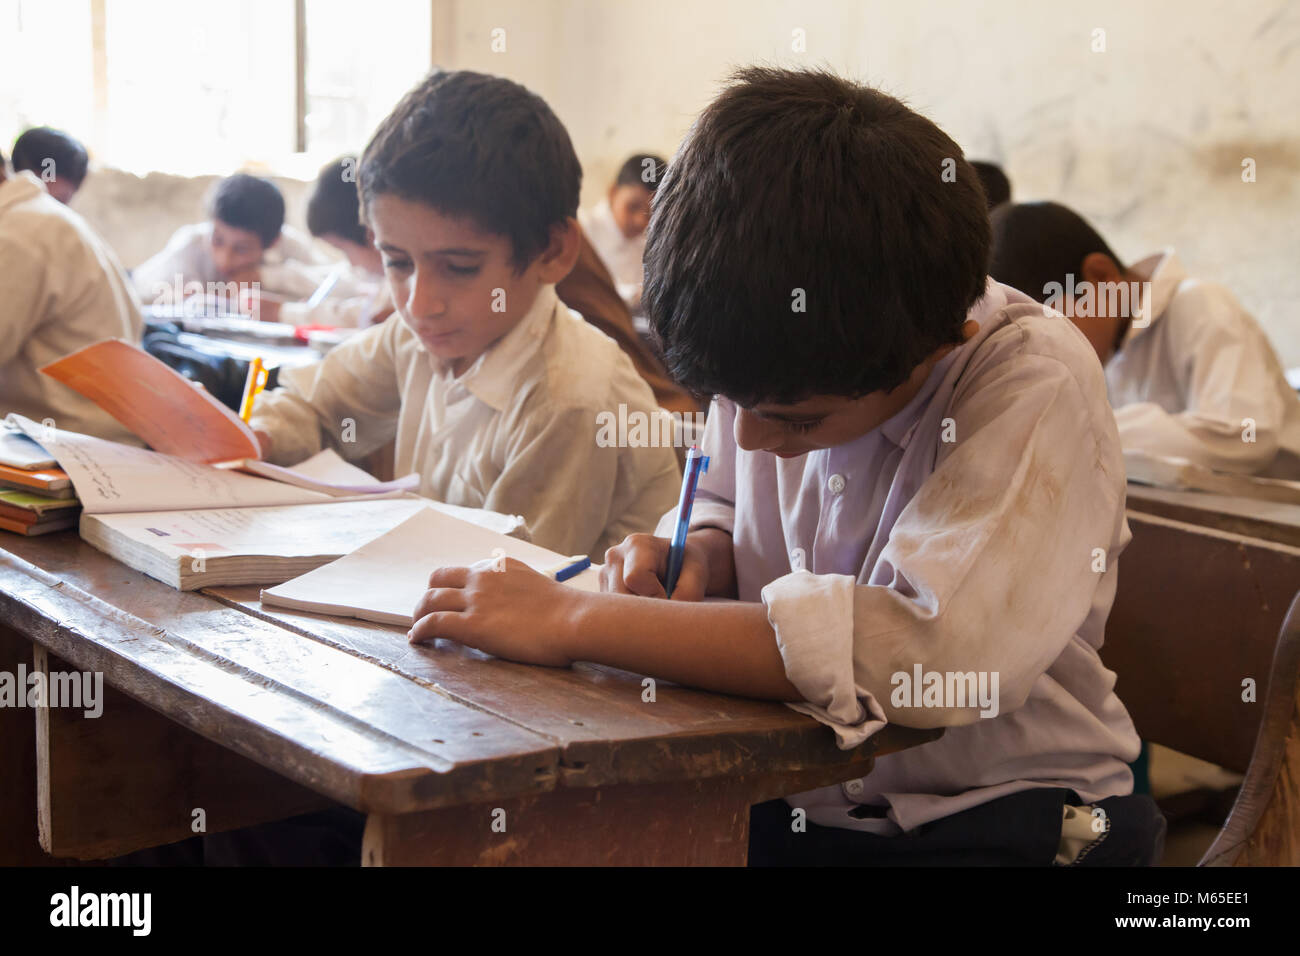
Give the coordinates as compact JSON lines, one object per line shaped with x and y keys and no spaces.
{"x":208,"y":88}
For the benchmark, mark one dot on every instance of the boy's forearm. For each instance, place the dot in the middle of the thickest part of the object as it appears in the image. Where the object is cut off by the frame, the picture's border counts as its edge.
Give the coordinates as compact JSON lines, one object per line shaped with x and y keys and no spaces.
{"x":730,"y":648}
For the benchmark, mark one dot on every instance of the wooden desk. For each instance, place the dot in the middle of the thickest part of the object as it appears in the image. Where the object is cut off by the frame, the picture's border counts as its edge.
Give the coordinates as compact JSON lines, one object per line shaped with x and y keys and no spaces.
{"x":251,"y":715}
{"x":1267,"y":520}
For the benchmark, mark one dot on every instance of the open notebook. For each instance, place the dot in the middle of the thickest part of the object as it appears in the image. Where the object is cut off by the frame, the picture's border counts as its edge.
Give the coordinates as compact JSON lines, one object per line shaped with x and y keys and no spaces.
{"x":383,"y":580}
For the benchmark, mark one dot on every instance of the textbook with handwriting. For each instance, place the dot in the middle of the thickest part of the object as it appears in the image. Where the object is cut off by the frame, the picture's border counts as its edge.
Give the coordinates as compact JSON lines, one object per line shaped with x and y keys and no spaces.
{"x":175,"y":417}
{"x":194,"y":525}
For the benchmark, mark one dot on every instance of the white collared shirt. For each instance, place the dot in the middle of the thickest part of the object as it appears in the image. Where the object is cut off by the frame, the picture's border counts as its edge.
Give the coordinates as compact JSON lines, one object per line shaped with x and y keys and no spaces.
{"x":1202,"y":379}
{"x":515,"y":433}
{"x":622,"y":256}
{"x":975,"y":531}
{"x":61,"y":289}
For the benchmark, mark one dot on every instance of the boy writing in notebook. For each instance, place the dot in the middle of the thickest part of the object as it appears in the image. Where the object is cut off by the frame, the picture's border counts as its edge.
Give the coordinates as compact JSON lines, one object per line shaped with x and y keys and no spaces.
{"x":243,"y":249}
{"x":488,"y":385}
{"x":1190,"y":373}
{"x":914,"y":472}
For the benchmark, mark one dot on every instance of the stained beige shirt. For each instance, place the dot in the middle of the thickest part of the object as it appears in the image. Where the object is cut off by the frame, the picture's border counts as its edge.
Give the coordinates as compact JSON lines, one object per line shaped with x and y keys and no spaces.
{"x":515,"y":433}
{"x":61,"y":289}
{"x":976,"y":532}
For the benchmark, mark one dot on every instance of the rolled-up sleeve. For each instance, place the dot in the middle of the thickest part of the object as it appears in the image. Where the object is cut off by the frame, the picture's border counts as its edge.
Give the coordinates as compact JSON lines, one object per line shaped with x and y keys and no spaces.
{"x":991,"y":567}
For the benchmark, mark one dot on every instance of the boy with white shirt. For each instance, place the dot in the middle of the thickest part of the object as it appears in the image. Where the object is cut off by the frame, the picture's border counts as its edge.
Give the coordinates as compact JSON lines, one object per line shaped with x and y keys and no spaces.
{"x":489,"y":386}
{"x":616,"y":225}
{"x":61,"y":289}
{"x":1190,"y":374}
{"x":914,"y":472}
{"x":244,"y":247}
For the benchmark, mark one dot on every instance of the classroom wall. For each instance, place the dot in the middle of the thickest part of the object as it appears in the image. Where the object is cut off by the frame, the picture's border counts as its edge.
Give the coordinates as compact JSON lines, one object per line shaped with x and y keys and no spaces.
{"x":1145,"y":138}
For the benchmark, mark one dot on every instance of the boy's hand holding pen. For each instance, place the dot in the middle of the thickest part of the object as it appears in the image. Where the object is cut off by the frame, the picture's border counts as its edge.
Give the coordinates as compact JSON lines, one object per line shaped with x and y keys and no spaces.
{"x":686,"y":568}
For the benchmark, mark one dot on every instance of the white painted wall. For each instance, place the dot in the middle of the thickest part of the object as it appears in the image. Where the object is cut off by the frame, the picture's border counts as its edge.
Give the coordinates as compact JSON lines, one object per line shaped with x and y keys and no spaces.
{"x":1146,"y":139}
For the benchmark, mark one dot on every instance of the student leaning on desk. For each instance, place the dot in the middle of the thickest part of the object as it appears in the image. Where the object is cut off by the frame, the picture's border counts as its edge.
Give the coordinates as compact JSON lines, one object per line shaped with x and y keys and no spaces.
{"x":896,"y":496}
{"x":488,"y":385}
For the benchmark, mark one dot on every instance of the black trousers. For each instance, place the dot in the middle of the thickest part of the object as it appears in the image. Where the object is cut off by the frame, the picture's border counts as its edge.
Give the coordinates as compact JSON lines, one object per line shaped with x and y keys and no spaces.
{"x":1021,"y":829}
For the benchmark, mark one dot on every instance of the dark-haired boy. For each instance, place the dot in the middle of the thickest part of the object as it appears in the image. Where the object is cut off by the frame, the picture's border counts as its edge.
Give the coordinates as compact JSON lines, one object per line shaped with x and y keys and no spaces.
{"x":616,"y":225}
{"x":244,"y":241}
{"x":334,"y":216}
{"x":1190,"y":373}
{"x":490,"y":387}
{"x":55,"y":158}
{"x":915,"y":478}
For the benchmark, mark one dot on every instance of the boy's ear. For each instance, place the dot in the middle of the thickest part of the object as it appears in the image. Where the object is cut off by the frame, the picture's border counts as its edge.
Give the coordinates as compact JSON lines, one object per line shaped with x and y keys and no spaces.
{"x":1099,"y":267}
{"x":559,"y":257}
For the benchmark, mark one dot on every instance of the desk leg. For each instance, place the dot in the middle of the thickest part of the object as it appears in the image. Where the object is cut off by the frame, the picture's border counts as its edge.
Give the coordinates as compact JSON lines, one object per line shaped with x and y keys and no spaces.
{"x":18,"y":843}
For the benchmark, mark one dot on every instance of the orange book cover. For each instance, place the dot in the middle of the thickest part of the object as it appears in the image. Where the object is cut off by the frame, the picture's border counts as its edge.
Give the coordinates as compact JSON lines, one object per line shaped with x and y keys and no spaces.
{"x":47,"y":479}
{"x":162,"y":407}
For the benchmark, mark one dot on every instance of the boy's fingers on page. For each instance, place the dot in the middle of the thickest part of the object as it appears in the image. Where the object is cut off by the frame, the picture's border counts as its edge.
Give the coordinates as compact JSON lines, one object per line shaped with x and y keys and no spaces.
{"x":429,"y":627}
{"x":441,"y":599}
{"x":449,"y":577}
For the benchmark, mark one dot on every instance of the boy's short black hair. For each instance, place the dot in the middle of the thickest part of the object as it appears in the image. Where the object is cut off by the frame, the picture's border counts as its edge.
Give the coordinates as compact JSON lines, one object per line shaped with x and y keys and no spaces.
{"x":247,"y":202}
{"x":1036,"y":244}
{"x":479,"y":147}
{"x":41,"y":143}
{"x":997,"y":187}
{"x":334,"y":208}
{"x":811,"y":236}
{"x":643,"y":169}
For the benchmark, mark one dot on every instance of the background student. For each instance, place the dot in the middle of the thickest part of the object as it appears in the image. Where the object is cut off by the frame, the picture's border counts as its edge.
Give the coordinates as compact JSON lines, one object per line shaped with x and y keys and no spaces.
{"x":243,"y":241}
{"x":1189,"y":372}
{"x":61,"y":288}
{"x":616,"y":225}
{"x":53,"y":157}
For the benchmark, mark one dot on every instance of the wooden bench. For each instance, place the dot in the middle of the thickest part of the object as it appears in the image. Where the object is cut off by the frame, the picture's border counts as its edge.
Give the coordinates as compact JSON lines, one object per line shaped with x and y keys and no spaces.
{"x":1198,"y":612}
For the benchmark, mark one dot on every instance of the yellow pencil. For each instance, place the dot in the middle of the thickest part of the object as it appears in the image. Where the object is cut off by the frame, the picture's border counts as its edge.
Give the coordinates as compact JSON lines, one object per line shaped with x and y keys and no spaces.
{"x":256,"y":382}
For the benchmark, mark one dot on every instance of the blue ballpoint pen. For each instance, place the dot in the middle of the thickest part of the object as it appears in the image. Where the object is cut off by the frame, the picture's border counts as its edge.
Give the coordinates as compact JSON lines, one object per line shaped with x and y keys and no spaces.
{"x":696,"y":465}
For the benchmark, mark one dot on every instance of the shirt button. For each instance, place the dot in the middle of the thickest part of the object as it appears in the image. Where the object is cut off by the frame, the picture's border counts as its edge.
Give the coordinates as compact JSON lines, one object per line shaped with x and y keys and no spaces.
{"x":853,"y":788}
{"x":835,"y":483}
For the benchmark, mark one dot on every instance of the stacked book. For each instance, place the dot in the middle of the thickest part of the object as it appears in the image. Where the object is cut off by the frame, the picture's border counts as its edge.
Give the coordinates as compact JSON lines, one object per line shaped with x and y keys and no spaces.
{"x":36,"y":496}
